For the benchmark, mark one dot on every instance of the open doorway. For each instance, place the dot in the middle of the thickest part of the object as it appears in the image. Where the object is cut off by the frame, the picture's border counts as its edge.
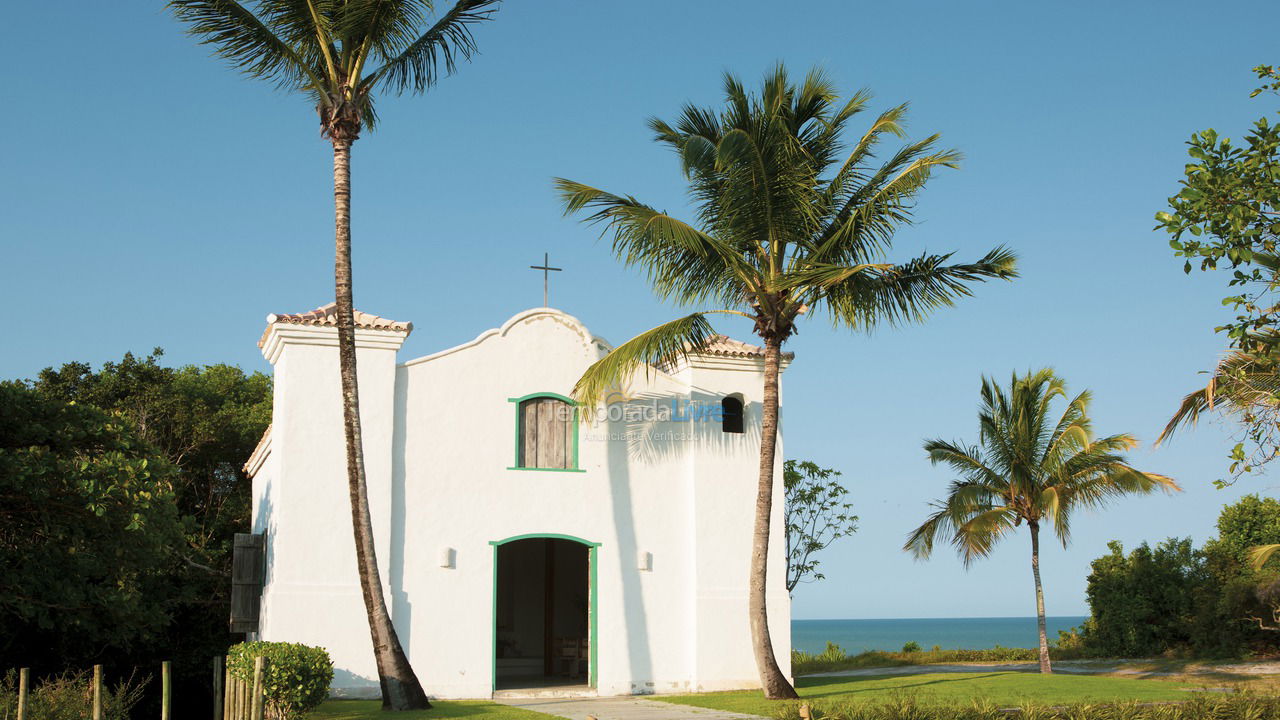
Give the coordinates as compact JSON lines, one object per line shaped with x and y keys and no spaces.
{"x":542,"y":606}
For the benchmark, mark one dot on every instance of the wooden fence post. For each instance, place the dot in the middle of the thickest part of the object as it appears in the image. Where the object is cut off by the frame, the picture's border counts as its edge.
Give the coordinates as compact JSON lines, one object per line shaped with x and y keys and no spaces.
{"x":97,"y":692}
{"x":217,"y":687}
{"x":166,"y":690}
{"x":259,"y":665}
{"x":24,"y":680}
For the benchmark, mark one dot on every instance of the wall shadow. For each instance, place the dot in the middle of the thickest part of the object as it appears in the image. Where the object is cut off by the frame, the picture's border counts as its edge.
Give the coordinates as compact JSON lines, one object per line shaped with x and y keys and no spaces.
{"x":626,"y":548}
{"x":401,"y":607}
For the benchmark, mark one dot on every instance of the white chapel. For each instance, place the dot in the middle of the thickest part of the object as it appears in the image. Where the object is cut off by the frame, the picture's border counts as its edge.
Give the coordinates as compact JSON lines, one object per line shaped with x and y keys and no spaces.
{"x":524,"y":545}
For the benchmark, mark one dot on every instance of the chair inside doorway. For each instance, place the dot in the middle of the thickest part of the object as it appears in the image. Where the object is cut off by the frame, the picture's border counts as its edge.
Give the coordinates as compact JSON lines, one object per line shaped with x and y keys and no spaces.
{"x":543,"y":605}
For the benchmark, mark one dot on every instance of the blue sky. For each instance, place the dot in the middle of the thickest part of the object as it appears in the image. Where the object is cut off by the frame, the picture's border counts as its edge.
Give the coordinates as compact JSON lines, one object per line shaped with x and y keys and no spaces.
{"x":155,"y":198}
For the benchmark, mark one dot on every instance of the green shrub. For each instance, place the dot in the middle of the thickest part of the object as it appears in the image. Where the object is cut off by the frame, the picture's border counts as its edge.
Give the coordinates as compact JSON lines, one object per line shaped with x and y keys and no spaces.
{"x":911,"y":646}
{"x":69,"y":696}
{"x":297,"y":676}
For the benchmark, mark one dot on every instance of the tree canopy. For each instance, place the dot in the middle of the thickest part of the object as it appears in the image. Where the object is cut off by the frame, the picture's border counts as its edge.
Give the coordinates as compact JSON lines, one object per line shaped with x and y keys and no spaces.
{"x":194,"y":426}
{"x":88,"y":525}
{"x":1175,"y":598}
{"x":1226,"y":216}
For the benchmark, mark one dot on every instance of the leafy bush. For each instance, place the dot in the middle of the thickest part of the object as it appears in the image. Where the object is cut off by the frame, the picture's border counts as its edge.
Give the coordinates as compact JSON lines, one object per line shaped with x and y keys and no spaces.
{"x":69,"y":696}
{"x":911,"y":646}
{"x":1176,"y":600}
{"x":1197,"y":708}
{"x":296,"y":679}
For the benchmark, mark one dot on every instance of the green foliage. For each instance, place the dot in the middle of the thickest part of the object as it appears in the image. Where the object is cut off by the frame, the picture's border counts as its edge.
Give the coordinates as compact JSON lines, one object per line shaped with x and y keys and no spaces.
{"x":200,"y":424}
{"x":788,"y":221}
{"x":1174,"y":599}
{"x":911,"y":646}
{"x":206,"y":421}
{"x":1144,"y":603}
{"x":69,"y":696}
{"x":816,"y":516}
{"x":1249,"y":522}
{"x":87,"y":526}
{"x":296,"y":679}
{"x":1227,"y":216}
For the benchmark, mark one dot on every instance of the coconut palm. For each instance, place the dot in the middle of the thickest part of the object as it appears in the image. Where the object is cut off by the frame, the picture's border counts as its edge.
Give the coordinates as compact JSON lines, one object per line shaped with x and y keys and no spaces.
{"x":787,"y":221}
{"x":1027,"y":468}
{"x":339,"y":53}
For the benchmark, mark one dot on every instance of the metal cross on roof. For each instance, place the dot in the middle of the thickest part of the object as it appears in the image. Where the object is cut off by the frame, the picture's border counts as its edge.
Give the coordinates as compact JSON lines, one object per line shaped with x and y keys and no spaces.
{"x":546,"y":269}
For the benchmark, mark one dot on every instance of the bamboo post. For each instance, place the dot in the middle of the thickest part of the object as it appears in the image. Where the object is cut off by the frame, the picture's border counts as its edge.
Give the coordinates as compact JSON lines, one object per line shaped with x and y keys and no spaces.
{"x":166,"y":690}
{"x":219,"y":676}
{"x":97,"y":692}
{"x":259,"y":665}
{"x":237,"y":701}
{"x":24,"y":680}
{"x":242,"y":703}
{"x":229,"y":711}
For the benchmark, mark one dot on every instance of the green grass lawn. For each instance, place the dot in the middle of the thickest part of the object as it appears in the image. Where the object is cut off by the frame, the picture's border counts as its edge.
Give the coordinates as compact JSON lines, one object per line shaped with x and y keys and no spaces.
{"x":469,"y":709}
{"x":1000,"y":688}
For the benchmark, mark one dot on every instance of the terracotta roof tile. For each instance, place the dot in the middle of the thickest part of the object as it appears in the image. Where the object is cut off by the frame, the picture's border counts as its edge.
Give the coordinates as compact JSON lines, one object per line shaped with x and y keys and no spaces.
{"x":725,"y":346}
{"x":327,"y":316}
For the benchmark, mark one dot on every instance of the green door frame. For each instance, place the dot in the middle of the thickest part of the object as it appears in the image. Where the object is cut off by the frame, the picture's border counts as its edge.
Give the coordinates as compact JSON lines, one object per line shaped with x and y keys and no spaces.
{"x":592,"y":606}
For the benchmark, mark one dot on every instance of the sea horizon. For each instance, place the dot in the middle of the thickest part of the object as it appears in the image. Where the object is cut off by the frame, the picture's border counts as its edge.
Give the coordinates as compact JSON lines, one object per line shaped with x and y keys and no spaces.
{"x":857,"y":635}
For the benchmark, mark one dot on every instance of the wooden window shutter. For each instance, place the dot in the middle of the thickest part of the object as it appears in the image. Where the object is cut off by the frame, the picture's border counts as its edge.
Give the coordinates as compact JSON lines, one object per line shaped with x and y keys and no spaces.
{"x":248,"y":566}
{"x":546,"y":433}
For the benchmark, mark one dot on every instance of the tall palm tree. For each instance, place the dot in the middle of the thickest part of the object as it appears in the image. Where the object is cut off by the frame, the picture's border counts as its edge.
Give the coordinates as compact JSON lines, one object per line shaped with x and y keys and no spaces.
{"x":787,"y":220}
{"x":338,"y":53}
{"x":1027,"y":468}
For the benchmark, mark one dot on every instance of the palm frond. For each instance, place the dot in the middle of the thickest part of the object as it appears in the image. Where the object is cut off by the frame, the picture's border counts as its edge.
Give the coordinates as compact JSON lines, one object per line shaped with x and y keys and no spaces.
{"x":1261,"y":554}
{"x":680,"y":260}
{"x":1193,"y":404}
{"x":978,"y":536}
{"x":436,"y":52}
{"x":247,"y":43}
{"x":1242,"y":383}
{"x":967,"y":461}
{"x":908,"y":292}
{"x":660,"y":345}
{"x":867,"y":211}
{"x":921,"y":540}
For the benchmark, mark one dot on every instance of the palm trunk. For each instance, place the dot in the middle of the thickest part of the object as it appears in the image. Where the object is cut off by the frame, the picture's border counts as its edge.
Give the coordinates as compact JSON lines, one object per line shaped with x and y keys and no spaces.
{"x":775,"y":684}
{"x":1035,"y":571}
{"x":400,"y":687}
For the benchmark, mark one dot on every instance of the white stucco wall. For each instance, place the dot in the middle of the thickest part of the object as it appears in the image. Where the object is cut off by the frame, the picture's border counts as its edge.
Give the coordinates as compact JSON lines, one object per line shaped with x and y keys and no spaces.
{"x":439,"y":448}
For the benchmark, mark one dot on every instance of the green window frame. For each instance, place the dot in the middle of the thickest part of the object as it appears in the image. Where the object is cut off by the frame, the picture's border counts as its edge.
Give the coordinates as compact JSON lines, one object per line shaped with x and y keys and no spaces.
{"x":515,"y":458}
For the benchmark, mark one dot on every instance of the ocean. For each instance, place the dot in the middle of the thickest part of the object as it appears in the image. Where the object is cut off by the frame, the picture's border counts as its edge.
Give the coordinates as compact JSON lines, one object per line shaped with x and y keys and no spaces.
{"x":857,"y":636}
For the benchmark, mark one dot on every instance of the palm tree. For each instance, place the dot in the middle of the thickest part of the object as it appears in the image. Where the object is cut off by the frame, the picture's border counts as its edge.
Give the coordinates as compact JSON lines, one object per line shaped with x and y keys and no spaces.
{"x":338,"y":52}
{"x":787,"y":221}
{"x":1027,"y":468}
